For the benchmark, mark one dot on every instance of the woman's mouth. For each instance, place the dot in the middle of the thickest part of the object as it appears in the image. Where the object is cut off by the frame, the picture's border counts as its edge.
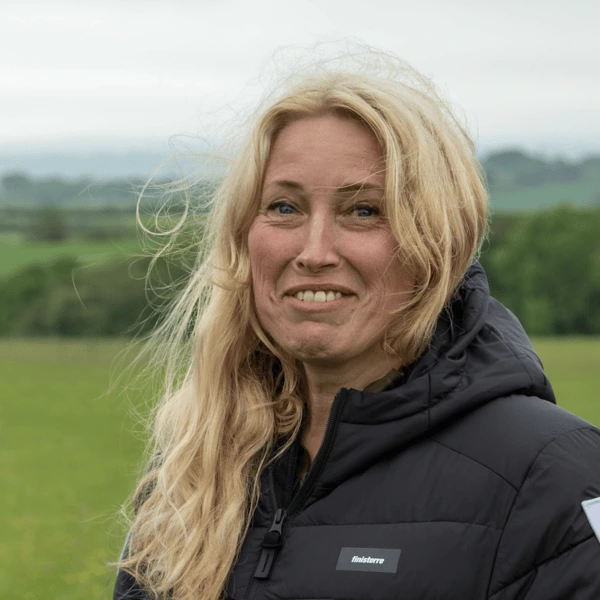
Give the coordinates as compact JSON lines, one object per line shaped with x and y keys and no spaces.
{"x":318,"y":296}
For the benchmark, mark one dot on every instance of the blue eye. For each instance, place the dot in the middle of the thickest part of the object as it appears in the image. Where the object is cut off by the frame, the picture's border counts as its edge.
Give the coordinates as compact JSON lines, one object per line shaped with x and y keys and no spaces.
{"x":281,"y":207}
{"x":364,"y":211}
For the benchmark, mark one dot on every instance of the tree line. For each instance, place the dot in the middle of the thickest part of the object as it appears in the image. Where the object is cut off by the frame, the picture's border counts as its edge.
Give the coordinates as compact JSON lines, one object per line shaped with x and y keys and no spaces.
{"x":506,"y":171}
{"x":544,"y":266}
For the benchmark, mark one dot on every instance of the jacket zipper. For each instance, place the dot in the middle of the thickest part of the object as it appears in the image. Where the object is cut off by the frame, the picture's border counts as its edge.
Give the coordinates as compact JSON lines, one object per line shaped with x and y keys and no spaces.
{"x":274,"y":538}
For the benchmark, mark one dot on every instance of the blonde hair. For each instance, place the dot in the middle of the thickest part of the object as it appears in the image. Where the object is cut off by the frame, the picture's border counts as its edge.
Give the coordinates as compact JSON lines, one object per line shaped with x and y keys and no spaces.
{"x":238,"y":393}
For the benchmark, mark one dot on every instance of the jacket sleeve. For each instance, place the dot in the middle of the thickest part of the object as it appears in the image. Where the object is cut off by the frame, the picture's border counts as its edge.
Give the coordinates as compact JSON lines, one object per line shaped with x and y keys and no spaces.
{"x":548,"y":550}
{"x":126,"y":588}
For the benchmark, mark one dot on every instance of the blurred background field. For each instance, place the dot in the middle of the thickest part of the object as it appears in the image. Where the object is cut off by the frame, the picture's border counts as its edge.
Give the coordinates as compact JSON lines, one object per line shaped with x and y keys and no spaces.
{"x":572,"y":367}
{"x":15,"y":254}
{"x":68,"y":454}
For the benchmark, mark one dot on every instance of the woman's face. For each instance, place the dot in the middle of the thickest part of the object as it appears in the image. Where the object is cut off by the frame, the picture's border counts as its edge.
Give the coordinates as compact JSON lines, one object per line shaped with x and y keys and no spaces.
{"x":325,"y":273}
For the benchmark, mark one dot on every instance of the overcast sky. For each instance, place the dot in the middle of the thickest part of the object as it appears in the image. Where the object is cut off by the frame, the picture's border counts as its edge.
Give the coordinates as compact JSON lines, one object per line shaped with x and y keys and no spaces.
{"x":129,"y":74}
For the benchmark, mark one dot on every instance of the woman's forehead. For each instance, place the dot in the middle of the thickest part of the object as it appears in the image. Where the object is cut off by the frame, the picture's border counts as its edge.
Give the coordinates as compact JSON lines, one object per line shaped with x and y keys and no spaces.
{"x":325,"y":150}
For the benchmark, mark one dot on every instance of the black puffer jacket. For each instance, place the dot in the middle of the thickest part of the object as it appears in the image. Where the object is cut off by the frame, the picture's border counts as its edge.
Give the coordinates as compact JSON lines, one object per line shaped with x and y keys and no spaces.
{"x":464,"y":482}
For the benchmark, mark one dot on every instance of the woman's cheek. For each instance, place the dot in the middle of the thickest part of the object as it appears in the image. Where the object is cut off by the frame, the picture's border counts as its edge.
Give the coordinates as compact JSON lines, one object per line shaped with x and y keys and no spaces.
{"x":266,"y":262}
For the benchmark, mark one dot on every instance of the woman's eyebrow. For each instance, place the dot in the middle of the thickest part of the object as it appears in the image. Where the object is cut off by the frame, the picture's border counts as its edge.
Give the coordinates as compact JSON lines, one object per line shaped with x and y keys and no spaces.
{"x":285,"y":183}
{"x":360,"y":187}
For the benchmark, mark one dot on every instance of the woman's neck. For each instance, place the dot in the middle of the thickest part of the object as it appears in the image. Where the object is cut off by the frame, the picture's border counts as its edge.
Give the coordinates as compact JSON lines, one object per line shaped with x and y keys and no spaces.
{"x":323,"y":383}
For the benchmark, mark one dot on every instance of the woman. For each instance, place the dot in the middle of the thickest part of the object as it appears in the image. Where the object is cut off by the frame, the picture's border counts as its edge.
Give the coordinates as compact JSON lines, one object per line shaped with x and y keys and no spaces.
{"x":359,"y":418}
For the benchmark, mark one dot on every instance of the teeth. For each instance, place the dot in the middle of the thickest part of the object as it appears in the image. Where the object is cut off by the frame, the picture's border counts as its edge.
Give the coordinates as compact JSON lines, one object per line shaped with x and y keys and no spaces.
{"x":320,"y":296}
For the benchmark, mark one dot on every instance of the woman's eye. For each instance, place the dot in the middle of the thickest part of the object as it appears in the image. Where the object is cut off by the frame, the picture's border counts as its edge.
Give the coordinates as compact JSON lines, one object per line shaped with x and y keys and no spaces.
{"x":281,"y":207}
{"x":365,"y":211}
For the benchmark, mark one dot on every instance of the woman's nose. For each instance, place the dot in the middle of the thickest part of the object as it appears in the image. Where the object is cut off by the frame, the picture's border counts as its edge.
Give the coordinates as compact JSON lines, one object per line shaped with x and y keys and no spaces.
{"x":319,"y":245}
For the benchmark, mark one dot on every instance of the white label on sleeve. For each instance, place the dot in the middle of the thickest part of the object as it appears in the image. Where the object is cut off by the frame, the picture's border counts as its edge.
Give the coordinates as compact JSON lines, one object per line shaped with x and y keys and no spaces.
{"x":592,"y":512}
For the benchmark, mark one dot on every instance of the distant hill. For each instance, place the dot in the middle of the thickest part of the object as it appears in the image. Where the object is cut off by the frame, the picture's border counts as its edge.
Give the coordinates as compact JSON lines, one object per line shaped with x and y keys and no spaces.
{"x":517,"y":181}
{"x":96,"y":165}
{"x":520,"y":181}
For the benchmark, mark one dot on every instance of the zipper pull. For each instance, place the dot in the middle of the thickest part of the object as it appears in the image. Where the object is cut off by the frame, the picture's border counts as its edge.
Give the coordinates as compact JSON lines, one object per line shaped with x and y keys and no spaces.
{"x":271,"y":543}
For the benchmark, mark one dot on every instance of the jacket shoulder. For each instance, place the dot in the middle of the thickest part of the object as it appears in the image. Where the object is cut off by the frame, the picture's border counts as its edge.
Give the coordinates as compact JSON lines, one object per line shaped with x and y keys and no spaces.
{"x":507,"y":434}
{"x":551,"y":458}
{"x":547,"y":530}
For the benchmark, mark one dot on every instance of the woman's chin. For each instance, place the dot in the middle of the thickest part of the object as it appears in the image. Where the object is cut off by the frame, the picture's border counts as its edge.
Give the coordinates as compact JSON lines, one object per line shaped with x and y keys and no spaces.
{"x":316,"y":350}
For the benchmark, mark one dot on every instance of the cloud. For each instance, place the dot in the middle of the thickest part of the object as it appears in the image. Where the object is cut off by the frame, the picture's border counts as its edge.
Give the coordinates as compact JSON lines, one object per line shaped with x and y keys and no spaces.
{"x":147,"y":69}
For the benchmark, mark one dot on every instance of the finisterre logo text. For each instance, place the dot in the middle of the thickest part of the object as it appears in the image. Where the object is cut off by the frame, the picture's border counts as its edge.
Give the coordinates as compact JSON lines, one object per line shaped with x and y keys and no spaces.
{"x":368,"y":559}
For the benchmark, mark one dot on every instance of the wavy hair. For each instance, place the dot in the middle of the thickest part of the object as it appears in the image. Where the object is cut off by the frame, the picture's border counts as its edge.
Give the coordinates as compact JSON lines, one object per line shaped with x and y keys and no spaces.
{"x":230,"y":393}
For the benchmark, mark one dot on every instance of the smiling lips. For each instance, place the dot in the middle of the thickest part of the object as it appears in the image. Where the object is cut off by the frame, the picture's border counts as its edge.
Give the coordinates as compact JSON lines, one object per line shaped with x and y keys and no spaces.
{"x":321,"y":293}
{"x":320,"y":296}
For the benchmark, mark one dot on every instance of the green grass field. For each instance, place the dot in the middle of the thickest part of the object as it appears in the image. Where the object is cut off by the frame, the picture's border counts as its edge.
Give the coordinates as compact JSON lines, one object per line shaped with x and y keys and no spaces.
{"x":572,"y":365}
{"x":68,"y":456}
{"x":13,"y":256}
{"x":67,"y":460}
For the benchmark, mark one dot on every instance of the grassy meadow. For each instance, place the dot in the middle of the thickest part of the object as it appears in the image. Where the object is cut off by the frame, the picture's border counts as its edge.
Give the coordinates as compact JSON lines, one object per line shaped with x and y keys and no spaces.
{"x":68,"y":455}
{"x":572,"y":367}
{"x":15,"y":255}
{"x":69,"y":449}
